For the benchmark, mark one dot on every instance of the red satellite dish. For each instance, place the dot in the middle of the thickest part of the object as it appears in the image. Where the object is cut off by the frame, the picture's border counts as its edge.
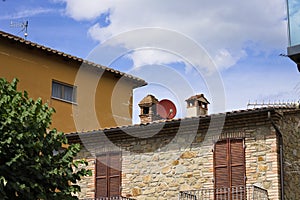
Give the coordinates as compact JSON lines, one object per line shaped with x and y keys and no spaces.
{"x":166,"y":109}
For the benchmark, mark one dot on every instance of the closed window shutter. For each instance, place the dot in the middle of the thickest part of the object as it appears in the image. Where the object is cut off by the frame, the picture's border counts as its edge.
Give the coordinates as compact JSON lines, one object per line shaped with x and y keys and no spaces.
{"x":237,"y":165}
{"x":108,"y":175}
{"x":221,"y":165}
{"x":229,"y":169}
{"x":237,"y":162}
{"x":114,"y":174}
{"x":101,"y":176}
{"x":221,"y":170}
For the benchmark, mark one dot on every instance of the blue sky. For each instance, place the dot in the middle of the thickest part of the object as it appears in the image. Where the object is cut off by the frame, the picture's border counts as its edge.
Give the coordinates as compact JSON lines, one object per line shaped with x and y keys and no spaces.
{"x":232,"y":54}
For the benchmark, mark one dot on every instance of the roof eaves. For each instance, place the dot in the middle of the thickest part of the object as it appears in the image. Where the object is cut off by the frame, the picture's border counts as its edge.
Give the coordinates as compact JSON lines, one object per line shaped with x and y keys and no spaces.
{"x":170,"y":121}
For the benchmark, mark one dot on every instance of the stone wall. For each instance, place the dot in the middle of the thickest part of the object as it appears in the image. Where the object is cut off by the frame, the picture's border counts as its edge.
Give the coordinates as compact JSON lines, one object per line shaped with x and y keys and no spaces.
{"x":162,"y":174}
{"x":87,"y":183}
{"x":262,"y":160}
{"x":291,"y":139}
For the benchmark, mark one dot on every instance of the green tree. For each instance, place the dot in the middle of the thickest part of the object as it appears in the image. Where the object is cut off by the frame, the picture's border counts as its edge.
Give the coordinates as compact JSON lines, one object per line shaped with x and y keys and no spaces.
{"x":33,"y":164}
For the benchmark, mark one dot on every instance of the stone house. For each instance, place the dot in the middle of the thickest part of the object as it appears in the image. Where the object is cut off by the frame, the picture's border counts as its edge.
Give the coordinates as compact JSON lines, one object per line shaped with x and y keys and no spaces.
{"x":245,"y":154}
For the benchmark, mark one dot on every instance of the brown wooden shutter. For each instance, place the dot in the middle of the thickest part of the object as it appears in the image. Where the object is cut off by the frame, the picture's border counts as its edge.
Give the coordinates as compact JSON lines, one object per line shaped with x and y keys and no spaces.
{"x":237,"y":165}
{"x":229,"y":169}
{"x":221,"y":165}
{"x":237,"y":162}
{"x":108,"y":175}
{"x":221,"y":170}
{"x":114,"y":174}
{"x":101,"y":176}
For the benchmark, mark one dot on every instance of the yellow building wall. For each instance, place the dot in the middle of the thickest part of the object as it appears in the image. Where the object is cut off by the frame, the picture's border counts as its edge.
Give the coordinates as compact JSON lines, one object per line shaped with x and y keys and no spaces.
{"x":36,"y":69}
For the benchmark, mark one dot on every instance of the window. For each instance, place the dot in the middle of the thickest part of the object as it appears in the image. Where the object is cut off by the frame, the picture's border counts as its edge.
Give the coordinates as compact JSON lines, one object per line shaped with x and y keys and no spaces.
{"x":202,"y":104}
{"x":294,"y":24}
{"x":63,"y":92}
{"x":145,"y":110}
{"x":108,"y":175}
{"x":191,"y":103}
{"x":229,"y":169}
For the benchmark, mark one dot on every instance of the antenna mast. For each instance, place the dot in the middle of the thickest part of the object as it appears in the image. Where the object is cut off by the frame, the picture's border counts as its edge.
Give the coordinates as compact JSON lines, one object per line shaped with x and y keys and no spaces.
{"x":273,"y":104}
{"x":23,"y":25}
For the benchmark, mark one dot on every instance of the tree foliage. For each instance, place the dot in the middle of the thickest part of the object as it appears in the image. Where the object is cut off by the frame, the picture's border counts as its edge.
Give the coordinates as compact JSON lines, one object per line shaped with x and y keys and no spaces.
{"x":33,"y":164}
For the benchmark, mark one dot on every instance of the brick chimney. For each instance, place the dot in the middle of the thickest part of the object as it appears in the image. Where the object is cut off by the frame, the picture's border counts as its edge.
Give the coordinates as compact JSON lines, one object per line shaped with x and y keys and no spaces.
{"x":148,"y":109}
{"x":197,"y":105}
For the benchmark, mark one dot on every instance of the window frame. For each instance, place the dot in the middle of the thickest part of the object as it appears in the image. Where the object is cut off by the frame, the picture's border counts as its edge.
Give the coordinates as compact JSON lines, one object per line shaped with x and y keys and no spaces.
{"x":63,"y":86}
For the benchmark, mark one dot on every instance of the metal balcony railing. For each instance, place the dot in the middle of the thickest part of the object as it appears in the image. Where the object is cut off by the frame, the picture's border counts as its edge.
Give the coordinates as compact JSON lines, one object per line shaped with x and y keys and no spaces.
{"x":110,"y":198}
{"x":250,"y":192}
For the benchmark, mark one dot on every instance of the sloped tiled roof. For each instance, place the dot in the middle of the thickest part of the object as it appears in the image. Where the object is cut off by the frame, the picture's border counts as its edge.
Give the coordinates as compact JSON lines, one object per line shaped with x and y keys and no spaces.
{"x":199,"y":97}
{"x":148,"y":100}
{"x":4,"y":35}
{"x":237,"y":117}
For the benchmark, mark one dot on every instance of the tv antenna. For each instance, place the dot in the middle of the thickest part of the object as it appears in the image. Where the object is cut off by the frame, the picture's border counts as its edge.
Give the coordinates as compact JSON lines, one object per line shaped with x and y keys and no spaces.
{"x":22,"y":25}
{"x":288,"y":104}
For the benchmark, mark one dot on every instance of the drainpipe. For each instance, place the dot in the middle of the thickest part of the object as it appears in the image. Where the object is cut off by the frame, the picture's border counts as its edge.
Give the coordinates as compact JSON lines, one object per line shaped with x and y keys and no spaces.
{"x":279,"y":136}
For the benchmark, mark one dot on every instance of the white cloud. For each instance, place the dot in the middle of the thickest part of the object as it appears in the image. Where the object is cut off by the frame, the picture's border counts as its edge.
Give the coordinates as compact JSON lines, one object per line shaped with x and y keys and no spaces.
{"x":224,"y":28}
{"x":152,"y":57}
{"x":27,"y":13}
{"x":225,"y":59}
{"x":86,"y":10}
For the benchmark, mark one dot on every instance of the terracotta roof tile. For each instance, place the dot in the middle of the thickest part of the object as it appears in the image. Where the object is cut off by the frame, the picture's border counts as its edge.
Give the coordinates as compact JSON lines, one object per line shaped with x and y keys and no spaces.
{"x":159,"y":122}
{"x":149,"y":99}
{"x":198,"y":97}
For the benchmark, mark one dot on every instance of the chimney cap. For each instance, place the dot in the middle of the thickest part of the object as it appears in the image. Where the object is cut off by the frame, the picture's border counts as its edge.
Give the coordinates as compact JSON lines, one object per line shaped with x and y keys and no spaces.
{"x":149,"y":100}
{"x":199,"y":97}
